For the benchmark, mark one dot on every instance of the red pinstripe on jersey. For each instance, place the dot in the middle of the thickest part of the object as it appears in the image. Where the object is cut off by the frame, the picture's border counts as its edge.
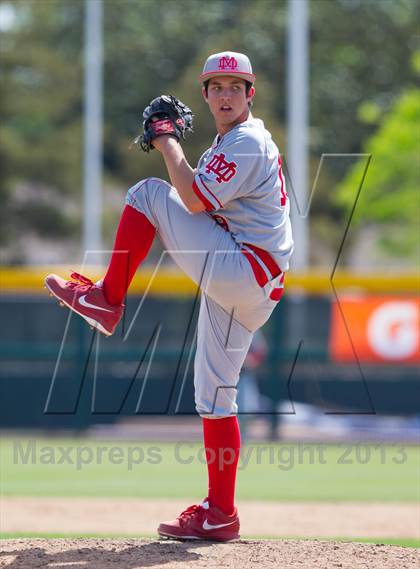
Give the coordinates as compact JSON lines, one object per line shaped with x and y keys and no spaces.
{"x":219,"y":203}
{"x":262,"y":263}
{"x":203,"y":198}
{"x":283,"y":192}
{"x":208,"y":205}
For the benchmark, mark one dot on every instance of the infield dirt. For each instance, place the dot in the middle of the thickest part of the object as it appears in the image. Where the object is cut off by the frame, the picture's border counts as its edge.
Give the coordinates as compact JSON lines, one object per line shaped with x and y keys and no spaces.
{"x":139,"y":553}
{"x":128,"y":517}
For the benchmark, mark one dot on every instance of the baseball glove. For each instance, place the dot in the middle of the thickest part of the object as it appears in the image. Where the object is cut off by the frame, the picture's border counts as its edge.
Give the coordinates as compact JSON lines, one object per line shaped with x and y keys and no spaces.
{"x":165,"y":115}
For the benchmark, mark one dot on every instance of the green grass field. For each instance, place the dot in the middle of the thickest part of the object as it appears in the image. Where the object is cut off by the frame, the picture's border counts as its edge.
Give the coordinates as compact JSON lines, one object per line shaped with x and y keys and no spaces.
{"x":282,"y":472}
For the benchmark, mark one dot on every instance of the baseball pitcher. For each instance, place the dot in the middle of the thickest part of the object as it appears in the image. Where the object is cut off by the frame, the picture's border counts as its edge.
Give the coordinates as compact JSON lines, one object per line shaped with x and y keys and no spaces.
{"x":233,"y":210}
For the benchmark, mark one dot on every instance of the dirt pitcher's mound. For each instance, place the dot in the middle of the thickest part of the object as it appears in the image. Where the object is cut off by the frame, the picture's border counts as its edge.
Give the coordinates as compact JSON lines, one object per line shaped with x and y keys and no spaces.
{"x":140,"y":517}
{"x":137,"y":553}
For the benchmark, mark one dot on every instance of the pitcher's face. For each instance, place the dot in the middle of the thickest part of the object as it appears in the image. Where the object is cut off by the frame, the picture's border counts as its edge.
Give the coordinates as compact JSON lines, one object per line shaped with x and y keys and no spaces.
{"x":228,"y":101}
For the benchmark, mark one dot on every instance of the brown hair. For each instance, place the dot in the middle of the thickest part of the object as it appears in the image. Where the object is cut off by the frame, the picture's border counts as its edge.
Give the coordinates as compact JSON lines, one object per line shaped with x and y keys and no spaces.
{"x":248,"y":86}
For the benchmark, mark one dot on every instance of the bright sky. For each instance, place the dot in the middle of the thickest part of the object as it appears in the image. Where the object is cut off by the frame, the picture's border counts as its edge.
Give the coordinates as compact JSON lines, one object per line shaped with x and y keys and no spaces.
{"x":7,"y":16}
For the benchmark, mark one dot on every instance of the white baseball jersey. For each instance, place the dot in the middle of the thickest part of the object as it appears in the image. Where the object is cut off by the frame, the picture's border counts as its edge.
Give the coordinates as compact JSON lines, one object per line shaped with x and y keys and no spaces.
{"x":239,"y":179}
{"x":241,"y":183}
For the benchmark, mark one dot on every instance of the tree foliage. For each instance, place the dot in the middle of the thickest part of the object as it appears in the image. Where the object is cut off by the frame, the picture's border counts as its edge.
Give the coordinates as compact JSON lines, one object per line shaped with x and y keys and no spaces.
{"x":390,"y":193}
{"x":360,"y":52}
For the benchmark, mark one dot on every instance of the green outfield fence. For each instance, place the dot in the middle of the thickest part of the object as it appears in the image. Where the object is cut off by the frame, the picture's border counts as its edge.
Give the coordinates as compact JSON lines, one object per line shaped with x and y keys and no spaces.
{"x":57,"y":373}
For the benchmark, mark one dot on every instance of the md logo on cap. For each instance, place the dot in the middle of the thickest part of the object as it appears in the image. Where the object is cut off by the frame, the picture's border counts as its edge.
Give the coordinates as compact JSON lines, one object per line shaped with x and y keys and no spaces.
{"x":227,"y":62}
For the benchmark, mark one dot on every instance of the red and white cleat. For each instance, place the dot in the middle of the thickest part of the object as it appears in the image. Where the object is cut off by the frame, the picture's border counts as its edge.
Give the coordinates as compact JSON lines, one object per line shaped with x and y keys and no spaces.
{"x":202,"y":521}
{"x":86,"y":299}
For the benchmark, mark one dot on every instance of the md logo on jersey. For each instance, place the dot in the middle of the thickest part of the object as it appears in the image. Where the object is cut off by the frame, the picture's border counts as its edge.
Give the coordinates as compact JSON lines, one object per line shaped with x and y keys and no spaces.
{"x":227,"y":62}
{"x":223,"y":169}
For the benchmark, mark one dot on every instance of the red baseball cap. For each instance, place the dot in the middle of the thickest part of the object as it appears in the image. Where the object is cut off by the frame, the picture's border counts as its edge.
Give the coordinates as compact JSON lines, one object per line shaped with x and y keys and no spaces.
{"x":228,"y":63}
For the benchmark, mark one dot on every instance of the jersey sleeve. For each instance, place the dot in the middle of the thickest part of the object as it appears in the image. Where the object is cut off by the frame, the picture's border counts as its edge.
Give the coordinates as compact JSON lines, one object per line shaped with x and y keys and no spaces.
{"x":227,"y":172}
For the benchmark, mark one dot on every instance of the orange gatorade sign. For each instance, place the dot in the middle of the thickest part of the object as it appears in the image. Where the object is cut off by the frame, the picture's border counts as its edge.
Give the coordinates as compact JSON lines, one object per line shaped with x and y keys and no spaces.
{"x":379,"y":329}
